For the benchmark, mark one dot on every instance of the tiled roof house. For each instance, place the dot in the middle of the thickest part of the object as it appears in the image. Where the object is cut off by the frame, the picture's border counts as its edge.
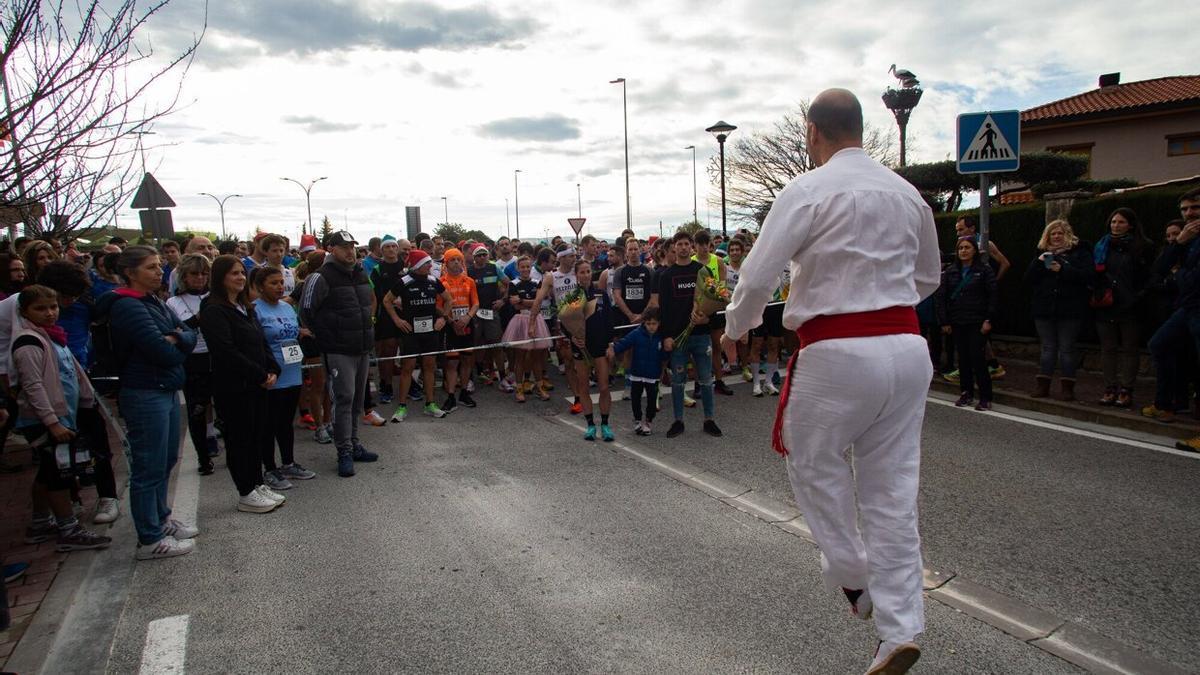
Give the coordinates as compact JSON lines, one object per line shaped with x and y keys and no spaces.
{"x":1148,"y":131}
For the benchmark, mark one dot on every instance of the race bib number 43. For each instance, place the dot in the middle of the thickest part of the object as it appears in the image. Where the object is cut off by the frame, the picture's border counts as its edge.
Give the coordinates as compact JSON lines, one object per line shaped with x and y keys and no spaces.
{"x":485,"y":314}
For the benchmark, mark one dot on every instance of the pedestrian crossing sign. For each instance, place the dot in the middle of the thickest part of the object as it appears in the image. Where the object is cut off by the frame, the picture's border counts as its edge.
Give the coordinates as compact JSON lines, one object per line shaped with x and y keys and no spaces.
{"x":989,"y":142}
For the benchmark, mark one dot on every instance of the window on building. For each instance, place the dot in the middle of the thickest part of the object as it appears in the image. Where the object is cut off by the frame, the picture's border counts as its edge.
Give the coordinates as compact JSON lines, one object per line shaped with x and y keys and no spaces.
{"x":1183,"y":144}
{"x":1081,"y":149}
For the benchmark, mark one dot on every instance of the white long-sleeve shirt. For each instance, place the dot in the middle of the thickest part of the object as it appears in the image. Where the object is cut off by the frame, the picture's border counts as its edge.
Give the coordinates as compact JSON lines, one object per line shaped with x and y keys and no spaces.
{"x":857,"y":236}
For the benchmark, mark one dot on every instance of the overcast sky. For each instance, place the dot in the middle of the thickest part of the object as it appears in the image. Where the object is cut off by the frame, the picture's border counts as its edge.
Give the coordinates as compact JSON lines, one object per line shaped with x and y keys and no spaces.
{"x":402,"y":103}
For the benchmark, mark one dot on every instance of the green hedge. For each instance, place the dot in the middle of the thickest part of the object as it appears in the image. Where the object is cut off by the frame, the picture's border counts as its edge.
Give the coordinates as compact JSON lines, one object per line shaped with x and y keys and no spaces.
{"x":1017,"y":229}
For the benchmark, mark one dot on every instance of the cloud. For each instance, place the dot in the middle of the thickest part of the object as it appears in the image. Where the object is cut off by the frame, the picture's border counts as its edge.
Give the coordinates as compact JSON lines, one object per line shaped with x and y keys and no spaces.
{"x":227,"y":137}
{"x":316,"y":26}
{"x":316,"y":125}
{"x":550,"y":128}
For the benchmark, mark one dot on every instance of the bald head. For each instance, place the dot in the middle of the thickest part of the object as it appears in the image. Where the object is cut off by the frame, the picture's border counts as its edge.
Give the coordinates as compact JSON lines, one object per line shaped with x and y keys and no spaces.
{"x":837,"y":115}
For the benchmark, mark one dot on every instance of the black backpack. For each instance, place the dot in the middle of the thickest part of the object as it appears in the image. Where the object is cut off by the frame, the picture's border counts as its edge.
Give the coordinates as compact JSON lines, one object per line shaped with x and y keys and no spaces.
{"x":106,"y":364}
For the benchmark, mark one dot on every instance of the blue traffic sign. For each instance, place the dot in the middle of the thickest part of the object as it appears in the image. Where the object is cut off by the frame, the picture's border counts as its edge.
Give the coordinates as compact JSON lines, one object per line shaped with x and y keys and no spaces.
{"x":989,"y":142}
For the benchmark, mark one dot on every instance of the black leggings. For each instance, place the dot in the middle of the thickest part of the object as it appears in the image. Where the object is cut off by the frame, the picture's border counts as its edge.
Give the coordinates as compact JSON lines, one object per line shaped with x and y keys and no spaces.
{"x":281,"y":410}
{"x":635,"y":394}
{"x":972,"y":366}
{"x":197,"y":393}
{"x":244,"y":416}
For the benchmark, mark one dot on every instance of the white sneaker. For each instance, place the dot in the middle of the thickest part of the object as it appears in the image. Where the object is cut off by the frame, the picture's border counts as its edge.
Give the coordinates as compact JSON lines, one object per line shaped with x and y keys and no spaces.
{"x":894,"y":658}
{"x":167,"y":547}
{"x":374,"y":419}
{"x":756,"y":390}
{"x":181,"y":531}
{"x":271,"y":494}
{"x":256,"y":502}
{"x":769,"y":388}
{"x":107,"y":510}
{"x":470,"y":385}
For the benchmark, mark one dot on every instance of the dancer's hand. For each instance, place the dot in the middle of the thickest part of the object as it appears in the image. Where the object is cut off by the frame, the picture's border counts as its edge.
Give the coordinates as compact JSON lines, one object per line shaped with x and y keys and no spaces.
{"x":986,"y":328}
{"x":946,"y":330}
{"x":669,"y":344}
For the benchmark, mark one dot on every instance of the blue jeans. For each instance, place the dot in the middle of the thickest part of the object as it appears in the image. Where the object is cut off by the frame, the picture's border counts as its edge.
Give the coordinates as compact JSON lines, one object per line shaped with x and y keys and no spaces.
{"x":1168,"y":346}
{"x":153,"y":420}
{"x":1058,"y":345}
{"x":699,"y":349}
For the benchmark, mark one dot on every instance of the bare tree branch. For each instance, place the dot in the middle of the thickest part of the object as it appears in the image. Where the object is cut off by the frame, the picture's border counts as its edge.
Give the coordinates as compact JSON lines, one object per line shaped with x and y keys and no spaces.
{"x":758,"y":167}
{"x":79,"y":84}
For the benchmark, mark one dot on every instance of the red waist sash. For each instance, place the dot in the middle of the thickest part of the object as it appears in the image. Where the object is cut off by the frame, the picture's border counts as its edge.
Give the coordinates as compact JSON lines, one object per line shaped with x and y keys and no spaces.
{"x":889,"y":321}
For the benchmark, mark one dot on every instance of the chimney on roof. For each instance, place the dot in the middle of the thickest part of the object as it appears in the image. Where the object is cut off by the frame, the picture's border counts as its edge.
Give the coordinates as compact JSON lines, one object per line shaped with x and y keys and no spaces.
{"x":1110,"y":80}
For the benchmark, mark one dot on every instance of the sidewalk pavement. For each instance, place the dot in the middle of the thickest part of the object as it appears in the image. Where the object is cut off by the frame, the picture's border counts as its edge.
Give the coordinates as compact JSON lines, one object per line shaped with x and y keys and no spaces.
{"x":1015,"y":387}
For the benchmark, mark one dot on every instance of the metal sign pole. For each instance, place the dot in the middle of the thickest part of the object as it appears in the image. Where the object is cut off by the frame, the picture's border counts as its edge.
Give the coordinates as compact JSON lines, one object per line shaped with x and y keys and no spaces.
{"x":984,"y":214}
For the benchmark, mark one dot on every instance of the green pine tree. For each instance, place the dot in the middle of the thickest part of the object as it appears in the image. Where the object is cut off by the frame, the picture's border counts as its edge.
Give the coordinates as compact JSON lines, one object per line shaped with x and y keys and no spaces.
{"x":326,"y":230}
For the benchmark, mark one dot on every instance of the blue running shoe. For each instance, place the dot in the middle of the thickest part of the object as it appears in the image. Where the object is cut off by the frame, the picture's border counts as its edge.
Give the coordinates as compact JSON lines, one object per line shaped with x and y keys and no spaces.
{"x":590,"y":434}
{"x":606,"y":433}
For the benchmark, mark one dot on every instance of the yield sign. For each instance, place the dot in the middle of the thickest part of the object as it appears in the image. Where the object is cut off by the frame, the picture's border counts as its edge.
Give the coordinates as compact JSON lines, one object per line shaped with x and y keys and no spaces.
{"x":577,"y":224}
{"x":989,"y":142}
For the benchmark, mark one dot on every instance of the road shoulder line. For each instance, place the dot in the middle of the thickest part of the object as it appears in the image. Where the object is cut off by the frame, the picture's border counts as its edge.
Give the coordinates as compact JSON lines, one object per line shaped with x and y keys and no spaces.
{"x":1066,"y":640}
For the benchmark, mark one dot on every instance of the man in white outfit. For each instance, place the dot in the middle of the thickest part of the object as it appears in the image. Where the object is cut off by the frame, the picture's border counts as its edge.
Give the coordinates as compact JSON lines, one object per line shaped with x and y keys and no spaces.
{"x":863,"y":252}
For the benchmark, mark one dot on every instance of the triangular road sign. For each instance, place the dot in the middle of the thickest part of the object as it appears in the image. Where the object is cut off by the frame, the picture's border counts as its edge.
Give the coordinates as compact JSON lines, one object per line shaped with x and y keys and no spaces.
{"x":989,"y":143}
{"x":151,"y":195}
{"x":577,"y":224}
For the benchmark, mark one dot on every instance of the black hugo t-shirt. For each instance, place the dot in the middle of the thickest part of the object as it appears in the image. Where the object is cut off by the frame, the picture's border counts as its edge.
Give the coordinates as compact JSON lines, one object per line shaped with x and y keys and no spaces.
{"x":676,"y":297}
{"x":635,"y":287}
{"x":418,"y":301}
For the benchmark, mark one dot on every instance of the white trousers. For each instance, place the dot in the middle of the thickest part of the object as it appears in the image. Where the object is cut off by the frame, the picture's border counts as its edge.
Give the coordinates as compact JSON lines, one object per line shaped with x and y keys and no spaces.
{"x":853,"y":430}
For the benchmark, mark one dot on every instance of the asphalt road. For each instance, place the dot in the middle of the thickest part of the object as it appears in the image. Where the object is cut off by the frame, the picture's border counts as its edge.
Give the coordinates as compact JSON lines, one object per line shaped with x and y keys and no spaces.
{"x":496,"y":540}
{"x":1093,"y":531}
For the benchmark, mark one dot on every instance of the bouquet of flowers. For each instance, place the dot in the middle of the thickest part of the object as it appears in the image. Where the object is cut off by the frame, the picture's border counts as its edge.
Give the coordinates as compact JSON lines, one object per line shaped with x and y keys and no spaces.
{"x":573,"y":313}
{"x":712,"y":296}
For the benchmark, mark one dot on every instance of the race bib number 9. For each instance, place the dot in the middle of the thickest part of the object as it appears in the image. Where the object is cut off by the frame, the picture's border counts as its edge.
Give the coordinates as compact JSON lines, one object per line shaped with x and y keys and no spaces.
{"x":485,"y":314}
{"x":292,"y":353}
{"x":423,"y":325}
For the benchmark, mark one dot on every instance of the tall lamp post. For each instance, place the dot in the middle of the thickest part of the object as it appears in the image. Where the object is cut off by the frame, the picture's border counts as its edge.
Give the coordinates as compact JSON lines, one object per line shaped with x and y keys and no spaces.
{"x":221,"y":207}
{"x":517,"y":201}
{"x":507,"y":222}
{"x":579,"y":197}
{"x":901,"y":102}
{"x":307,"y":198}
{"x":625,"y":114}
{"x":695,"y":216}
{"x":722,"y":130}
{"x":446,"y":210}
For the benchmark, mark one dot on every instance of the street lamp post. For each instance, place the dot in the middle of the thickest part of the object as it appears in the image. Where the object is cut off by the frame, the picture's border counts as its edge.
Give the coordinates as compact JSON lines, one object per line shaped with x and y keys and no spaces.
{"x":307,"y":198}
{"x":517,"y":201}
{"x":722,"y":130}
{"x":695,"y":215}
{"x":221,"y":207}
{"x":625,"y":114}
{"x":507,"y":222}
{"x":579,"y":197}
{"x":446,"y":210}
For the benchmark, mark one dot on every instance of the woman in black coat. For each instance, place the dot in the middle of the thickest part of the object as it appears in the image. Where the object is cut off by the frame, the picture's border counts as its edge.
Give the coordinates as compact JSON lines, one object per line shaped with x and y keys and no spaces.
{"x":243,"y":370}
{"x":1060,"y":279}
{"x":1122,"y":259}
{"x":965,"y":305}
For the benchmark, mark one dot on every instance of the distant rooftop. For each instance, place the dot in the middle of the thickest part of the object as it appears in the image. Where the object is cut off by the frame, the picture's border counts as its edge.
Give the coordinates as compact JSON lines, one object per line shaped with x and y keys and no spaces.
{"x":1157,"y":94}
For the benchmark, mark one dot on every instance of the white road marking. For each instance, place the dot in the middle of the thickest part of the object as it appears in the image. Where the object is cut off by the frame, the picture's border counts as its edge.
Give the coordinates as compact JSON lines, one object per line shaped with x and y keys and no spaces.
{"x":187,"y":489}
{"x":1071,"y":430}
{"x":166,"y":646}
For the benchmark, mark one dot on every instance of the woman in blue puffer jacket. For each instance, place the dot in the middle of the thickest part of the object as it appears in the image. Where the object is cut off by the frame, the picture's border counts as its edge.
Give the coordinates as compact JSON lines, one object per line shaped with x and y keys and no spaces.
{"x":150,"y":344}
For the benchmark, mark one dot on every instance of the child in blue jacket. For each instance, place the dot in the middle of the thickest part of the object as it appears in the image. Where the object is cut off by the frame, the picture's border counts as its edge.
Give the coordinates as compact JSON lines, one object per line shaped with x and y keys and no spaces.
{"x":645,"y":369}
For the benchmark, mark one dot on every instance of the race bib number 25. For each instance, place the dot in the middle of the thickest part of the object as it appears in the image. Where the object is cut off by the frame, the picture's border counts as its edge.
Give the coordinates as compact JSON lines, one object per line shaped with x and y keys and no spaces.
{"x":292,"y":352}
